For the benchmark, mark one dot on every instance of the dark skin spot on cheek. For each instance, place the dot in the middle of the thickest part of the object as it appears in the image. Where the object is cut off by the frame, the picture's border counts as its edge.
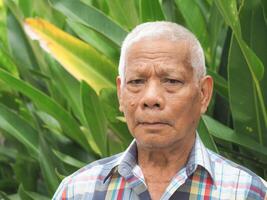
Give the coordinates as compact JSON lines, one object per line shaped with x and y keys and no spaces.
{"x":132,"y":104}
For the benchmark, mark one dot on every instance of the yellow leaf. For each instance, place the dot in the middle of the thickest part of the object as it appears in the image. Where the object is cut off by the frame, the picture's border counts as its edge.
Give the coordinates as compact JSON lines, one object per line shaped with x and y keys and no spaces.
{"x":77,"y":57}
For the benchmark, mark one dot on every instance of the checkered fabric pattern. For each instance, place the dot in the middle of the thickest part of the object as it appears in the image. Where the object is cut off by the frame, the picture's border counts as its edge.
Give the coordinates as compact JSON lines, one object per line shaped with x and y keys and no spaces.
{"x":206,"y":176}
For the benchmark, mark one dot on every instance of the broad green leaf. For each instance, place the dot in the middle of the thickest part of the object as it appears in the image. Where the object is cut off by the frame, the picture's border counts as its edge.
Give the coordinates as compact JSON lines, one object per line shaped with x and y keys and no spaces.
{"x":124,"y":12}
{"x":252,"y":62}
{"x":78,"y":58}
{"x":26,"y":7}
{"x":101,"y":43}
{"x":220,"y":84}
{"x":14,"y":197}
{"x":217,"y":36}
{"x":95,"y":116}
{"x":254,"y":31}
{"x":27,"y":56}
{"x":99,"y":4}
{"x":115,"y":145}
{"x":91,"y":140}
{"x":8,"y":152}
{"x":206,"y":136}
{"x":171,"y":12}
{"x":23,"y":194}
{"x":7,"y":62}
{"x":27,"y":171}
{"x":48,"y":163}
{"x":69,"y":125}
{"x":264,"y":6}
{"x":4,"y":196}
{"x":230,"y":14}
{"x":68,"y":87}
{"x":91,"y":17}
{"x":196,"y":22}
{"x":20,"y":48}
{"x":19,"y":129}
{"x":110,"y":104}
{"x":242,"y":94}
{"x":229,"y":11}
{"x":220,"y":131}
{"x":150,"y":10}
{"x":69,"y":159}
{"x":49,"y":122}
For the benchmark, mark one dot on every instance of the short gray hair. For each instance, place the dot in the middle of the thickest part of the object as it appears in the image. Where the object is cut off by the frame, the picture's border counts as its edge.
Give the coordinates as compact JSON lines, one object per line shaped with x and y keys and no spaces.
{"x":167,"y":30}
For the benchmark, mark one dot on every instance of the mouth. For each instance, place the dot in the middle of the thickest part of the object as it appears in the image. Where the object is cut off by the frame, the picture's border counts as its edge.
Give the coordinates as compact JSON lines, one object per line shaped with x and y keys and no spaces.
{"x":153,"y":123}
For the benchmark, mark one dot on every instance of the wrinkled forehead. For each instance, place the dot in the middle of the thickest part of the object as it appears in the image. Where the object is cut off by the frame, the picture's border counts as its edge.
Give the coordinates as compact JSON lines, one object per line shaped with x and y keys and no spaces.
{"x":160,"y":51}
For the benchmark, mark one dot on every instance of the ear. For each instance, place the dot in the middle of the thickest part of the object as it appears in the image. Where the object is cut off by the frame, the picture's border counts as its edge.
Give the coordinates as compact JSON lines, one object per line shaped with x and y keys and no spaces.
{"x":118,"y":83}
{"x":206,"y":92}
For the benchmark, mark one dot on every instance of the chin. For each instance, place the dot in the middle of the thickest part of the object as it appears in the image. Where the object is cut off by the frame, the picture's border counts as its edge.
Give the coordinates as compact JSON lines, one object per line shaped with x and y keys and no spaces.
{"x":155,"y":143}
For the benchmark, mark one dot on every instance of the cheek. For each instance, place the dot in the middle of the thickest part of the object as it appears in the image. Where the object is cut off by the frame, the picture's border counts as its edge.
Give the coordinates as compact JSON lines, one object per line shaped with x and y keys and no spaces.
{"x":184,"y":106}
{"x":130,"y":104}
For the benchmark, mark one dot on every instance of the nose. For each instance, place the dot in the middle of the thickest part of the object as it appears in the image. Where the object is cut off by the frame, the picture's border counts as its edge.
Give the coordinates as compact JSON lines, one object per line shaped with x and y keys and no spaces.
{"x":152,"y":97}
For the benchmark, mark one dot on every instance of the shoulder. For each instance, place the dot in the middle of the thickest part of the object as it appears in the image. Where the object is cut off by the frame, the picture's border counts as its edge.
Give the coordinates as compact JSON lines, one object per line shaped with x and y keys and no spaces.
{"x":232,"y":176}
{"x":86,"y":179}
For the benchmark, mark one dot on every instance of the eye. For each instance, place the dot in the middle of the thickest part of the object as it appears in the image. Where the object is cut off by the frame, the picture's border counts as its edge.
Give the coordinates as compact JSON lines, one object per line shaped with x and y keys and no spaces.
{"x":172,"y":81}
{"x":136,"y":82}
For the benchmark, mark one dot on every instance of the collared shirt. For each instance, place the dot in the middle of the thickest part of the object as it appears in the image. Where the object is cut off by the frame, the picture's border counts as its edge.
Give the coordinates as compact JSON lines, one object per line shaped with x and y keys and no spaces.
{"x":206,"y":175}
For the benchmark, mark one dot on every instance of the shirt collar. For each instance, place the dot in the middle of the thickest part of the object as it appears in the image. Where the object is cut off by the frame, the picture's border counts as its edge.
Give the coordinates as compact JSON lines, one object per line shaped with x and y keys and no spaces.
{"x":199,"y":156}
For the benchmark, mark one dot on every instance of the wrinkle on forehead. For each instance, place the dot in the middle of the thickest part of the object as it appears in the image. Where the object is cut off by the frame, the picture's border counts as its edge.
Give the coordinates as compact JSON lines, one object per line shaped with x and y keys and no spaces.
{"x":164,"y":58}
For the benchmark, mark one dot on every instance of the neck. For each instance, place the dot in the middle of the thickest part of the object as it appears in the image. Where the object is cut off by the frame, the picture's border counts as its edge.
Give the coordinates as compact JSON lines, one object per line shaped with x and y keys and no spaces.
{"x":170,"y":159}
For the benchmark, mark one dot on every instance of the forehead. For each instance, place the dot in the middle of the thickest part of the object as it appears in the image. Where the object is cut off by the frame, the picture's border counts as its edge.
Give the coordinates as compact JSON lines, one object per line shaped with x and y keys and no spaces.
{"x":170,"y":54}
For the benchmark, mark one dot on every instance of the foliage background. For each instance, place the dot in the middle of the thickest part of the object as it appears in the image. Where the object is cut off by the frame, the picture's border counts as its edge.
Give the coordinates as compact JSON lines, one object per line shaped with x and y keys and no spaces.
{"x":59,"y":110}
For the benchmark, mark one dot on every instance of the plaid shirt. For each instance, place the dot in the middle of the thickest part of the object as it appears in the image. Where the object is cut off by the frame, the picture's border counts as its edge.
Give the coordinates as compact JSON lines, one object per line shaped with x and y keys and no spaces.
{"x":206,"y":175}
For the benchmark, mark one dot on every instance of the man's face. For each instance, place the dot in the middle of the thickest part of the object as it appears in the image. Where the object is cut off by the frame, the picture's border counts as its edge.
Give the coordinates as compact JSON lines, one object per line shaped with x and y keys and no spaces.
{"x":161,"y":99}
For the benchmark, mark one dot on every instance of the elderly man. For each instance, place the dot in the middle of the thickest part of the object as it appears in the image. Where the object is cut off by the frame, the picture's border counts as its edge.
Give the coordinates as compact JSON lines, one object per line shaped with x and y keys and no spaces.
{"x":163,"y":90}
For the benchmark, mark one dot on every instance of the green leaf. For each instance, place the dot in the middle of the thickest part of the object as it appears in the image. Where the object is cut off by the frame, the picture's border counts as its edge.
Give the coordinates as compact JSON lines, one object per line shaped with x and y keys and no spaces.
{"x":69,"y":125}
{"x":27,"y":195}
{"x":150,"y":10}
{"x":222,"y":132}
{"x":68,"y":87}
{"x":78,"y":58}
{"x":264,"y":6}
{"x":229,"y":11}
{"x":95,"y":116}
{"x":23,"y":194}
{"x":18,"y":43}
{"x":196,"y":22}
{"x":243,"y":97}
{"x":4,"y":196}
{"x":7,"y":62}
{"x":101,"y":43}
{"x":206,"y":136}
{"x":49,"y":122}
{"x":220,"y":84}
{"x":69,"y":160}
{"x":171,"y":12}
{"x":254,"y":33}
{"x":27,"y":171}
{"x":250,"y":61}
{"x":110,"y":104}
{"x":91,"y":17}
{"x":230,"y":14}
{"x":26,"y":7}
{"x":48,"y":164}
{"x":119,"y":10}
{"x":19,"y":129}
{"x":217,"y":37}
{"x":8,"y":152}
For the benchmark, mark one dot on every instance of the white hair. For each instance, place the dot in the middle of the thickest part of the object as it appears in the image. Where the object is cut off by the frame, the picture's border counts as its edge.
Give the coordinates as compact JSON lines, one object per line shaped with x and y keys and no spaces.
{"x":166,"y":30}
